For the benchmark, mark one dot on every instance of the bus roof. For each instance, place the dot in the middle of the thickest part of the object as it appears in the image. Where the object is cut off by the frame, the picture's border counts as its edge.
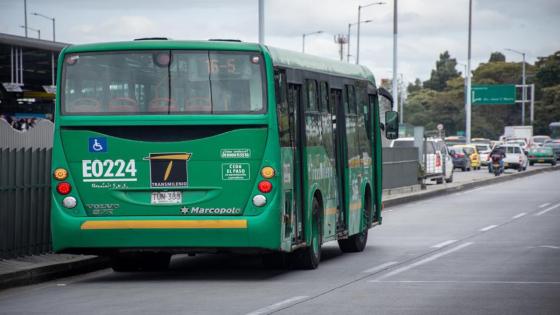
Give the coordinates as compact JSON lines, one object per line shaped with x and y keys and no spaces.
{"x":280,"y":57}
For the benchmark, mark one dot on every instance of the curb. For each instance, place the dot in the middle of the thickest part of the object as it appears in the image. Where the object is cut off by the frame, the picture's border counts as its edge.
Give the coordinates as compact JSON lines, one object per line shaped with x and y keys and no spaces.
{"x":51,"y":272}
{"x":450,"y":190}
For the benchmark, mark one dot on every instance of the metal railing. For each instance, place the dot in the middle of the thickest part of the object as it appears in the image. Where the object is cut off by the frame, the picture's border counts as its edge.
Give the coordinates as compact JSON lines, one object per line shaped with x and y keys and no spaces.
{"x":25,"y":162}
{"x":400,"y":167}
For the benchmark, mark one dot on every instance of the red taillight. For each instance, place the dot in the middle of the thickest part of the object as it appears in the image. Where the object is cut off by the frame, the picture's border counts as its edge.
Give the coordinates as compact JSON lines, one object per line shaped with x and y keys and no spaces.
{"x":459,"y":155}
{"x":63,"y":188}
{"x":438,"y":161}
{"x":265,"y":186}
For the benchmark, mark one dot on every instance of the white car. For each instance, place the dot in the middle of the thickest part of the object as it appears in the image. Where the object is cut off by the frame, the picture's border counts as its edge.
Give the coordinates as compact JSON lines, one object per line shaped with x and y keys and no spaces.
{"x":483,"y":151}
{"x":515,"y":157}
{"x":439,"y":164}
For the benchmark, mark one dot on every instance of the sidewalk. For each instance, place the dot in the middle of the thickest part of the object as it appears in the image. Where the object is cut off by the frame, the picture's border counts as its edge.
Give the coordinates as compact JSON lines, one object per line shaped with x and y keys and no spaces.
{"x":34,"y":269}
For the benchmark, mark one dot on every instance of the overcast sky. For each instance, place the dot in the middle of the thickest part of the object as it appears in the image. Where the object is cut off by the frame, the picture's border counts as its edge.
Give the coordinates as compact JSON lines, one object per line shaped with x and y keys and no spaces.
{"x":426,"y":27}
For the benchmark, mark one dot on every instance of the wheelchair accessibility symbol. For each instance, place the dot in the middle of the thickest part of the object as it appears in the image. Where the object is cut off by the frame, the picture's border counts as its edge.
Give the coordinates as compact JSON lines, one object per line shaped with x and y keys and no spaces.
{"x":98,"y":144}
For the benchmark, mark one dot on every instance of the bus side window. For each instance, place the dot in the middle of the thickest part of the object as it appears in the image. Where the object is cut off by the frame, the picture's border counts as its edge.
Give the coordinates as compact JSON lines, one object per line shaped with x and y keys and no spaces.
{"x":324,"y":92}
{"x":312,"y":95}
{"x":351,"y":99}
{"x":280,"y":89}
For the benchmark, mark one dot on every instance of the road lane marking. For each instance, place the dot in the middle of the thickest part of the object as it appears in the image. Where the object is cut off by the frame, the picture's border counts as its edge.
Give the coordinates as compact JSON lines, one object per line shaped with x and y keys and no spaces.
{"x":519,"y":215}
{"x":549,"y":246}
{"x":380,"y":267}
{"x":548,"y":209}
{"x":273,"y":307}
{"x":423,"y":261}
{"x":442,"y":244}
{"x":471,"y":282}
{"x":488,"y":228}
{"x":544,"y":205}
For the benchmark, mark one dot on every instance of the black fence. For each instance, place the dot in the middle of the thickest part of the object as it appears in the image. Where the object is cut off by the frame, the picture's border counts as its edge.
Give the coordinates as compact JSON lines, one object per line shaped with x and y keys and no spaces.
{"x":24,"y":202}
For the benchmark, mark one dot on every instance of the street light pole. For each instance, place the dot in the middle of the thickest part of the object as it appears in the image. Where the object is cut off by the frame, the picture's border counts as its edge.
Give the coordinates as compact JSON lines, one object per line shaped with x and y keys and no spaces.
{"x":33,"y":29}
{"x":303,"y":39}
{"x":360,"y":7}
{"x":395,"y":32}
{"x":468,"y":74}
{"x":25,"y":16}
{"x":53,"y":23}
{"x":349,"y":34}
{"x":523,"y":87}
{"x":261,"y":22}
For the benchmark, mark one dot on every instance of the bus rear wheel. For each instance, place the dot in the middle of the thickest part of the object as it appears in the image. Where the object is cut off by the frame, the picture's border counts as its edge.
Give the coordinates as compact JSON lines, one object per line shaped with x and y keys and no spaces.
{"x":128,"y":262}
{"x":310,"y":256}
{"x":357,"y":242}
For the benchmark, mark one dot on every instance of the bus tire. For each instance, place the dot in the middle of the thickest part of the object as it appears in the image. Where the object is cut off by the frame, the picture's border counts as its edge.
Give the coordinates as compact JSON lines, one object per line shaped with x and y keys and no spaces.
{"x":357,"y":242}
{"x":130,"y":262}
{"x":310,"y":256}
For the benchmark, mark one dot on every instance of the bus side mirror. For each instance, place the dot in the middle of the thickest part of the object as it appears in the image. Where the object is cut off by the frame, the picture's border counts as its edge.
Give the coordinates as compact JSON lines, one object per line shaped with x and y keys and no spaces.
{"x":391,"y":125}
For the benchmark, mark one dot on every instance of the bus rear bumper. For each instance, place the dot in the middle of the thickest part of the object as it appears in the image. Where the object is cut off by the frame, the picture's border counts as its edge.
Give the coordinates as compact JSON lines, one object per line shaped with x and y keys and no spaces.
{"x":94,"y":235}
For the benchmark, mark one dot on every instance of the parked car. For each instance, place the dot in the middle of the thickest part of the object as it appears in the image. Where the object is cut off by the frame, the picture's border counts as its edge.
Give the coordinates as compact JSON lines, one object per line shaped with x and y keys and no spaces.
{"x":472,"y":153}
{"x":542,"y":155}
{"x":555,"y":145}
{"x":460,"y":158}
{"x":484,"y":151}
{"x":515,"y":157}
{"x":539,"y":140}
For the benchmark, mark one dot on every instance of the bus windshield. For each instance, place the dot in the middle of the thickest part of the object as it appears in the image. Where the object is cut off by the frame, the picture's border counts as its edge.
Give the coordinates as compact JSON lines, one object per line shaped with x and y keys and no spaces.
{"x":163,"y":82}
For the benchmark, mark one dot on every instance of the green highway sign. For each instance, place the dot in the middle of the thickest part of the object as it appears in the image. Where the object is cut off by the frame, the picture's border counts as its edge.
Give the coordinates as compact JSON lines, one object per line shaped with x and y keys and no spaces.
{"x":493,"y":94}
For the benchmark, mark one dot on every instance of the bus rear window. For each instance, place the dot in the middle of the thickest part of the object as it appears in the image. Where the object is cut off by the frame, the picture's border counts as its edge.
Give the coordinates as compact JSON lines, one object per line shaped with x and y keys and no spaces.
{"x":163,"y":82}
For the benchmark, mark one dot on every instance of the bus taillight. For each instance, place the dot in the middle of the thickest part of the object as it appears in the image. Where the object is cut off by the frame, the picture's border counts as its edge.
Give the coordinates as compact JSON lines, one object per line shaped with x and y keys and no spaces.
{"x":63,"y":188}
{"x":265,"y":186}
{"x":60,"y":174}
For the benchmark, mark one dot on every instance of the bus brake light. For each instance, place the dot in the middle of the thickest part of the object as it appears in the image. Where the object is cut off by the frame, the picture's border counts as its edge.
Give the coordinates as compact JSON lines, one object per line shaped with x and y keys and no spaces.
{"x":265,"y":186}
{"x":63,"y":188}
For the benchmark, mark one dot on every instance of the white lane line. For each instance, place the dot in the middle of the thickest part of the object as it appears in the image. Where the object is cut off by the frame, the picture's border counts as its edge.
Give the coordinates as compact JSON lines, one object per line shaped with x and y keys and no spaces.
{"x":519,"y":215}
{"x":548,"y":209}
{"x":544,"y":205}
{"x":474,"y":282}
{"x":442,"y":244}
{"x":423,"y":261}
{"x":270,"y":308}
{"x":488,"y":228}
{"x":549,"y":246}
{"x":380,"y":267}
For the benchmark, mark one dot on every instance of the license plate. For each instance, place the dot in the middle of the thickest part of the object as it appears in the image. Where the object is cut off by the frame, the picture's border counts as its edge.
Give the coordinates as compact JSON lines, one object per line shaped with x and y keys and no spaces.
{"x":167,"y":197}
{"x":506,"y":164}
{"x":541,"y":161}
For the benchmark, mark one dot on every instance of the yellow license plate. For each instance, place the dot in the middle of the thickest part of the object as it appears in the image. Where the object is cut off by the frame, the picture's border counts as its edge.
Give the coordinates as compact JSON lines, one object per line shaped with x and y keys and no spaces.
{"x":540,"y":161}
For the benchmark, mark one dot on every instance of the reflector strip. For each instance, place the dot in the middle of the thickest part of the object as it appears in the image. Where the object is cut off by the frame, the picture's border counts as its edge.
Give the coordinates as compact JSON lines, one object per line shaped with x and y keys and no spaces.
{"x":163,"y":224}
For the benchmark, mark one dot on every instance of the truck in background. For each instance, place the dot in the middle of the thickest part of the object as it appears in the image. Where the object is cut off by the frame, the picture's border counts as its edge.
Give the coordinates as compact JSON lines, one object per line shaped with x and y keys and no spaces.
{"x":512,"y":133}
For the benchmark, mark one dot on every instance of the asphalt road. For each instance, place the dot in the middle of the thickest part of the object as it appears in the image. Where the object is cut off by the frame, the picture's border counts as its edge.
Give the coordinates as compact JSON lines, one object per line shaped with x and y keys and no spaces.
{"x":490,"y":250}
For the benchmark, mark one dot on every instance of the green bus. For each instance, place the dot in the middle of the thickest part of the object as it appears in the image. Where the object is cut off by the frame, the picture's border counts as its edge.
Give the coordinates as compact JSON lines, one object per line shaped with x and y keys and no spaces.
{"x":165,"y":147}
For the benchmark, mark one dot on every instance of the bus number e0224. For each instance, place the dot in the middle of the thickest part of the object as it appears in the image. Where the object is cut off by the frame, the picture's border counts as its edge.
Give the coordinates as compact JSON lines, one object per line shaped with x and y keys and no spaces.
{"x":95,"y":170}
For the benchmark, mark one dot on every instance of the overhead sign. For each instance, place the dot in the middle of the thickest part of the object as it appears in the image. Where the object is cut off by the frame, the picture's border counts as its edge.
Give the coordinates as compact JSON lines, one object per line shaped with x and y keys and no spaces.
{"x":495,"y":94}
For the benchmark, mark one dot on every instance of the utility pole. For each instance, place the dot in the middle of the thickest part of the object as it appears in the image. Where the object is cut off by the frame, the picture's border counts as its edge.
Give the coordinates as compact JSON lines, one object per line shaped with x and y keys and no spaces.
{"x":303,"y":39}
{"x":341,"y":40}
{"x":360,"y":7}
{"x":395,"y":32}
{"x":523,"y":85}
{"x":261,"y":22}
{"x":468,"y":74}
{"x":25,"y":16}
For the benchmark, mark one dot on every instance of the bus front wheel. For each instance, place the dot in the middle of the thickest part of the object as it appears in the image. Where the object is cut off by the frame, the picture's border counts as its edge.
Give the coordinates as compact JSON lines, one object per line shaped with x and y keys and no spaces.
{"x":357,"y":242}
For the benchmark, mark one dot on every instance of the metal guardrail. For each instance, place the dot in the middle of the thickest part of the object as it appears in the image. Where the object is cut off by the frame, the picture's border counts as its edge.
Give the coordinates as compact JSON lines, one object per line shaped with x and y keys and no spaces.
{"x":400,"y":167}
{"x":24,"y":202}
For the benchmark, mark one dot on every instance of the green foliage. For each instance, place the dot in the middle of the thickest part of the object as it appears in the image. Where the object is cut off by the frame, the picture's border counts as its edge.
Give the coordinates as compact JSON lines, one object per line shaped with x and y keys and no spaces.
{"x":548,"y":70}
{"x":497,"y":57}
{"x":445,"y":70}
{"x":417,"y":86}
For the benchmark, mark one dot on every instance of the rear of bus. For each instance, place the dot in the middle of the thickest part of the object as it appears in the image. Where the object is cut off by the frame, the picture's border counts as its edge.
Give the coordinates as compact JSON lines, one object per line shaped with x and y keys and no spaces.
{"x":164,"y":146}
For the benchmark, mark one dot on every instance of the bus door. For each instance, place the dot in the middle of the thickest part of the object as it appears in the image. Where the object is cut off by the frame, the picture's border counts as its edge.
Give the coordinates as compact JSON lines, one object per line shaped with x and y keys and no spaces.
{"x":297,"y":130}
{"x":339,"y":127}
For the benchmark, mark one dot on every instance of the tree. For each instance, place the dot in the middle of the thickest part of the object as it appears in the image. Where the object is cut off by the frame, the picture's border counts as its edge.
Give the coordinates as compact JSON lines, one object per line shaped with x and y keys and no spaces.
{"x":417,"y":86}
{"x":497,"y":57}
{"x":444,"y":71}
{"x":548,"y":70}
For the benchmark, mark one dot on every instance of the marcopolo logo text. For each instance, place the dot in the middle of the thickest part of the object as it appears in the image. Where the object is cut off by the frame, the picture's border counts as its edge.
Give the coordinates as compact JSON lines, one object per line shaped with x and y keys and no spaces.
{"x":210,"y":211}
